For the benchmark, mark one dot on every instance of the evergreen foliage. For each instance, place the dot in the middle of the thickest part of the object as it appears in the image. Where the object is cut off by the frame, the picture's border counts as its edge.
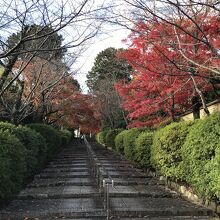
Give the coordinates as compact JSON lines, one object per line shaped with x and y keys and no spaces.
{"x":51,"y":135}
{"x":119,"y":141}
{"x":110,"y":137}
{"x":166,"y":149}
{"x":201,"y":153}
{"x":143,"y":144}
{"x":12,"y":165}
{"x":129,"y":143}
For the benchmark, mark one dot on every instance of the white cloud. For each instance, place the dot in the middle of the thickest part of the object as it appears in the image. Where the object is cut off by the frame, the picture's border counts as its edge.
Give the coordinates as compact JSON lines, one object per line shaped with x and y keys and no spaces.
{"x":113,"y":38}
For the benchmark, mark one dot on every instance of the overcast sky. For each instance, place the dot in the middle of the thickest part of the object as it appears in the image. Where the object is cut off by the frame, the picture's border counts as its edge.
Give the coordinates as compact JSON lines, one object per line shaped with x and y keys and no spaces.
{"x":113,"y":39}
{"x":112,"y":36}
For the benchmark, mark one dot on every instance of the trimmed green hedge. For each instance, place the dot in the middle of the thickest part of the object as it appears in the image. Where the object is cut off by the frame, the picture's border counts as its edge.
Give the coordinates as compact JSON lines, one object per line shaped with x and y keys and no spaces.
{"x":110,"y":137}
{"x":119,"y":141}
{"x":101,"y":136}
{"x":35,"y":146}
{"x":6,"y":126}
{"x":128,"y":141}
{"x":142,"y":145}
{"x":187,"y":151}
{"x":12,"y":165}
{"x":201,"y":153}
{"x":23,"y":152}
{"x":51,"y":135}
{"x":65,"y":136}
{"x":97,"y":137}
{"x":166,"y":149}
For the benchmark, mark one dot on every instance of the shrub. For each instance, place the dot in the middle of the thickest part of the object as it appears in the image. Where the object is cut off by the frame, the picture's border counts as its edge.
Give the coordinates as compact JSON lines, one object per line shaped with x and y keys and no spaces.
{"x":101,"y":137}
{"x":142,"y":145}
{"x":110,"y":137}
{"x":128,"y":141}
{"x":97,"y":137}
{"x":201,"y":153}
{"x":65,"y":136}
{"x":166,"y":149}
{"x":33,"y":142}
{"x":35,"y":146}
{"x":6,"y":126}
{"x":12,"y":165}
{"x":119,"y":141}
{"x":51,"y":136}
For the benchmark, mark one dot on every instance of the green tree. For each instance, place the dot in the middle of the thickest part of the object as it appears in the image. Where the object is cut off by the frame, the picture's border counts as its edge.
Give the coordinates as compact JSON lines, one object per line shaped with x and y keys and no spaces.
{"x":109,"y":67}
{"x":46,"y":43}
{"x":107,"y":70}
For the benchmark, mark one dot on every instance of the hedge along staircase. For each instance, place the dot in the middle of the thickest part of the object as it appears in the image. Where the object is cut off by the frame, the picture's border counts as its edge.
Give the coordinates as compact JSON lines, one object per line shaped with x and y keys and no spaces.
{"x":71,"y":187}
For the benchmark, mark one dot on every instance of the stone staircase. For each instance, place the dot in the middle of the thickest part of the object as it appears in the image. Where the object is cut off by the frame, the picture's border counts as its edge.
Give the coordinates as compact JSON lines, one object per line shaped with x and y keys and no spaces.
{"x":67,"y":189}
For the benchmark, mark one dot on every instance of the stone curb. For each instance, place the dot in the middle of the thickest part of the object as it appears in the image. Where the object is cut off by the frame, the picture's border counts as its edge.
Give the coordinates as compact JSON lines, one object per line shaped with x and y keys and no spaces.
{"x":188,"y":194}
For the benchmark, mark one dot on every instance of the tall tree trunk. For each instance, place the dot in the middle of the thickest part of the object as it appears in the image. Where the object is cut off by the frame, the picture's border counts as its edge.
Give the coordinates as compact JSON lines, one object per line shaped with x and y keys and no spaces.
{"x":199,"y":92}
{"x":196,"y":107}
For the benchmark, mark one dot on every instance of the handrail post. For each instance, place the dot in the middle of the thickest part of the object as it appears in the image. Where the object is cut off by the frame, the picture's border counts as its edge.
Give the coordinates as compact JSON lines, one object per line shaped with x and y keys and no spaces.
{"x":107,"y":201}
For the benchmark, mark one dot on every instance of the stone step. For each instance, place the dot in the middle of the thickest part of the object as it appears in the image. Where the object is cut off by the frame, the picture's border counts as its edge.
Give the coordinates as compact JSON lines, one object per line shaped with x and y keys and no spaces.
{"x":74,"y":156}
{"x":137,"y":181}
{"x":61,"y":192}
{"x":72,"y":162}
{"x":90,"y":182}
{"x":48,"y":208}
{"x":141,"y":191}
{"x":128,"y":173}
{"x":123,"y":169}
{"x":39,"y":208}
{"x":107,"y":163}
{"x":60,"y":196}
{"x":65,"y":170}
{"x":117,"y":165}
{"x":87,"y":181}
{"x":153,"y":207}
{"x":97,"y":214}
{"x":63,"y":176}
{"x":68,"y":166}
{"x":145,"y":218}
{"x":125,"y":175}
{"x":67,"y":161}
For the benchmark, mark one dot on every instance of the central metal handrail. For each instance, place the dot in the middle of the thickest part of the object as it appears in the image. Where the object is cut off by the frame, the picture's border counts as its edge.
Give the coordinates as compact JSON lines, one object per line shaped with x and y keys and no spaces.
{"x":104,"y":179}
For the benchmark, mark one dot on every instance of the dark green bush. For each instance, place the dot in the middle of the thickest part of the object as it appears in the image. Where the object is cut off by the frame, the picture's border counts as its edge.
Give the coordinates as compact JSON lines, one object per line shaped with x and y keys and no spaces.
{"x":65,"y":136}
{"x":97,"y":137}
{"x":35,"y":146}
{"x":201,"y":153}
{"x":12,"y":165}
{"x":101,"y":137}
{"x":51,"y":136}
{"x":143,"y":144}
{"x":6,"y":126}
{"x":33,"y":142}
{"x":166,"y":149}
{"x":110,"y":137}
{"x":129,"y":140}
{"x":119,"y":141}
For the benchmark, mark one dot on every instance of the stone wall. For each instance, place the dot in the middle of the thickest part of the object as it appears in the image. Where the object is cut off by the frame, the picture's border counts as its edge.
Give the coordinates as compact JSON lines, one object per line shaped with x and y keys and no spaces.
{"x":212,"y":106}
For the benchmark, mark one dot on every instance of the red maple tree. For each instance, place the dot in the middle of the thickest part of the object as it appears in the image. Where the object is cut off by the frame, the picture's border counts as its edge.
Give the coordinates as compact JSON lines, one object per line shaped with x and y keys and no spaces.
{"x":170,"y":67}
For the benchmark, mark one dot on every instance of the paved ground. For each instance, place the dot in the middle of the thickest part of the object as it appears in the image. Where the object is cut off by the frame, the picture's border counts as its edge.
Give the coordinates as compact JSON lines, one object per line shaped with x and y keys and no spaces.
{"x":67,"y":189}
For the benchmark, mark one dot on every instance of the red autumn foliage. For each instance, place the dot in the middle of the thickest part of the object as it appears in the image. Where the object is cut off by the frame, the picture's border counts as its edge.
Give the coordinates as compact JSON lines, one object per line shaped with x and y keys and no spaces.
{"x":55,"y":98}
{"x":164,"y":60}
